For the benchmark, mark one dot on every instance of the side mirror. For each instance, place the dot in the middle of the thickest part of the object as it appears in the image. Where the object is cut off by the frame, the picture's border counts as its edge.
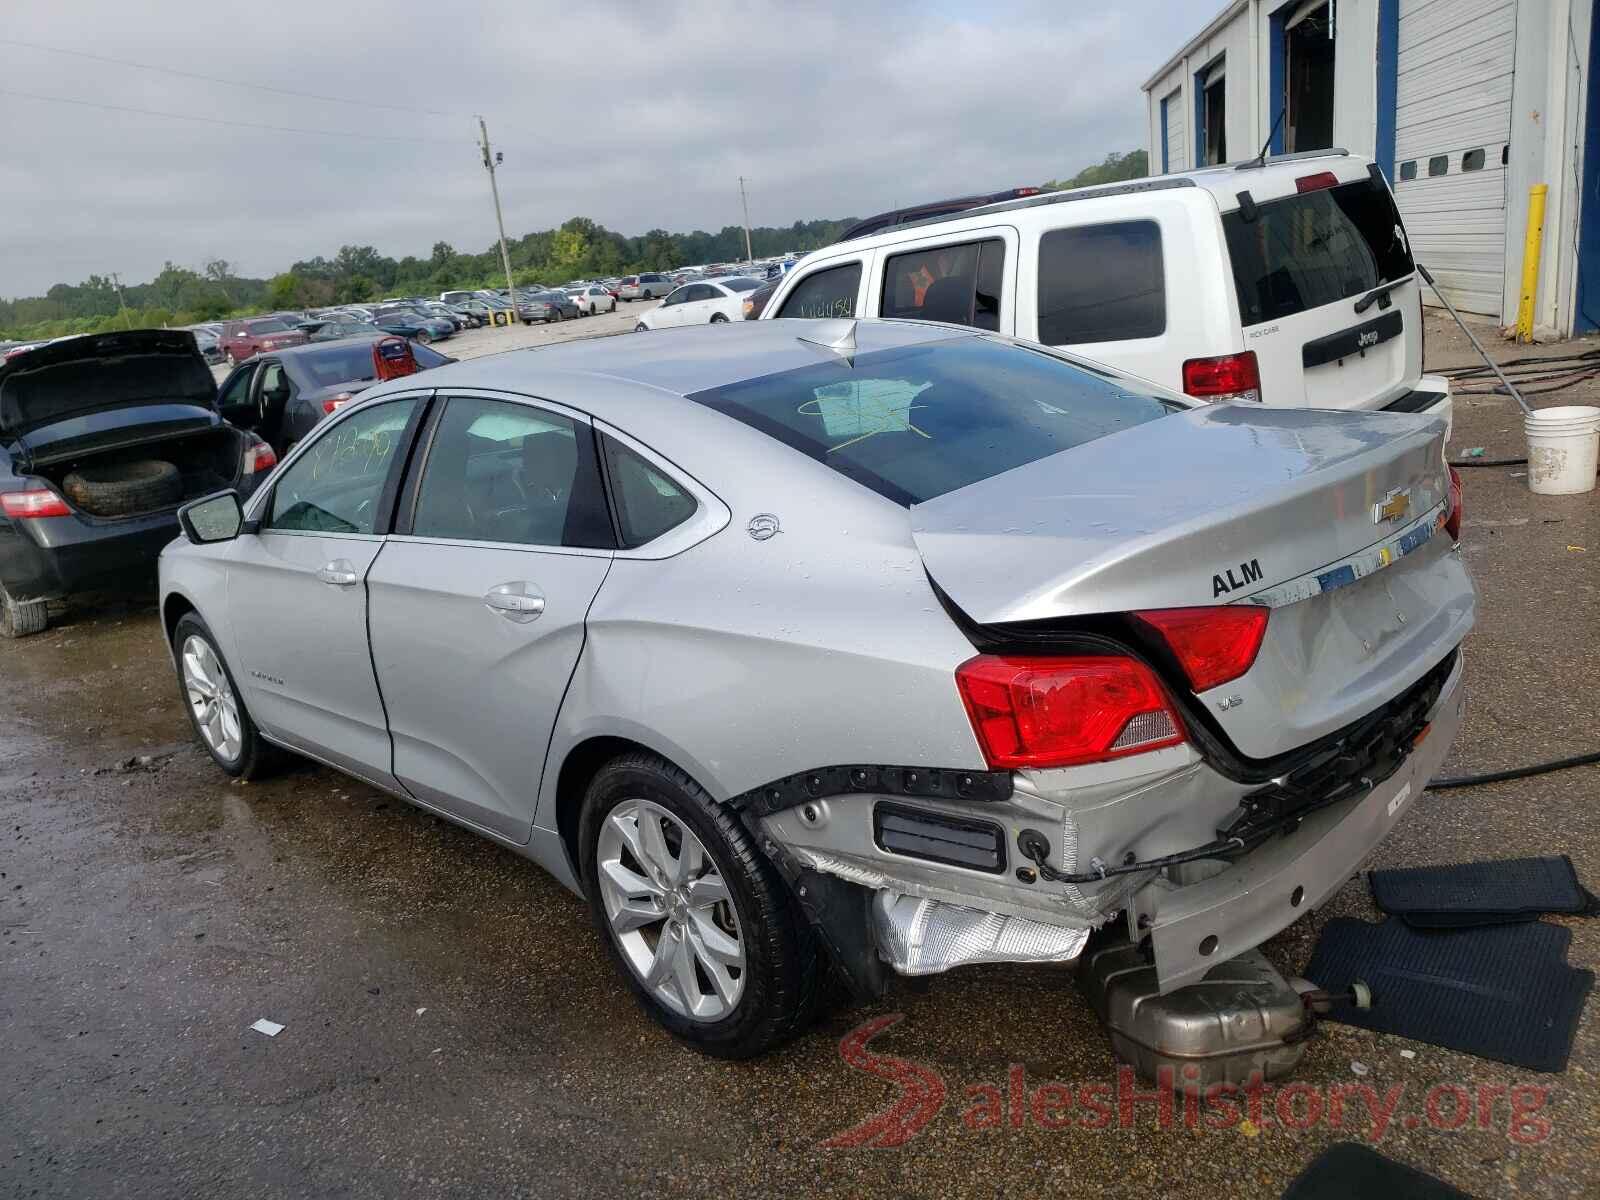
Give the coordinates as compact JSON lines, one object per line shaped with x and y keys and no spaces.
{"x":215,"y":518}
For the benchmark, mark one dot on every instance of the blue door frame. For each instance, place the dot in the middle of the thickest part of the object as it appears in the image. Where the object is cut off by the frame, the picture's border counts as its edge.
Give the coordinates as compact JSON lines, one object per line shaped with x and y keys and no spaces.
{"x":1587,"y":313}
{"x":1165,"y":165}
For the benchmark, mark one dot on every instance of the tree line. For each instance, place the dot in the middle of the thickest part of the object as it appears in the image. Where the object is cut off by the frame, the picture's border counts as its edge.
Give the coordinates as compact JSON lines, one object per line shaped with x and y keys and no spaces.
{"x":580,"y":248}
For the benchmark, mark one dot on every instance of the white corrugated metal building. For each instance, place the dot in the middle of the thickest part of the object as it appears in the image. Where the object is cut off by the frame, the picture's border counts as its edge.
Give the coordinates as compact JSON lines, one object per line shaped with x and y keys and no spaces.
{"x":1464,"y":103}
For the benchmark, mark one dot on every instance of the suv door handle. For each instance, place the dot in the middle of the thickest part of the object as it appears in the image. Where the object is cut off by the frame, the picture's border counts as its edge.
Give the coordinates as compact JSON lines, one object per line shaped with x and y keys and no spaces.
{"x":520,"y":601}
{"x":341,"y":572}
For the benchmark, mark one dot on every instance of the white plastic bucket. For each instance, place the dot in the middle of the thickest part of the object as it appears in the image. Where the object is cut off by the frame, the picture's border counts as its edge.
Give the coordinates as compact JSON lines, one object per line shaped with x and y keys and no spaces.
{"x":1563,"y":448}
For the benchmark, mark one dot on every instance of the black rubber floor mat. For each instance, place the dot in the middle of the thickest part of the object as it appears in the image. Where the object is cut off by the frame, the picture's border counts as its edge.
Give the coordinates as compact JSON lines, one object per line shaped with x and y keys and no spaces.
{"x":1503,"y":992}
{"x":1482,"y":893}
{"x":1351,"y":1171}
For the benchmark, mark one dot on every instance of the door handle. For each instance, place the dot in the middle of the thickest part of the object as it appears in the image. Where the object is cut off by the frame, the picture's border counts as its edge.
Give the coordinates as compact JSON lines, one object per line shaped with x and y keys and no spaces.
{"x":520,"y":602}
{"x":341,"y":572}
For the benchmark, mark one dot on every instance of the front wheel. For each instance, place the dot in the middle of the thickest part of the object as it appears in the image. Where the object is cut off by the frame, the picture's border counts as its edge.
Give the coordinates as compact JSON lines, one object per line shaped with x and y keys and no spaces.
{"x":641,"y":327}
{"x":423,"y":338}
{"x":211,"y":699}
{"x":695,"y":917}
{"x":718,"y":319}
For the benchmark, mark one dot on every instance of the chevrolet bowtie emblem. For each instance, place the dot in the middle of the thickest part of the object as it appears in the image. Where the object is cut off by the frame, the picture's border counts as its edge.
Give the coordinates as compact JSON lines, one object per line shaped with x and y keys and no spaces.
{"x":1393,"y":506}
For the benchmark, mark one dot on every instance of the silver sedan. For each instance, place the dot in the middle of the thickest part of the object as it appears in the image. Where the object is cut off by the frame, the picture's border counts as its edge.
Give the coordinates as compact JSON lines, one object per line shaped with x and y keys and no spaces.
{"x":882,"y":645}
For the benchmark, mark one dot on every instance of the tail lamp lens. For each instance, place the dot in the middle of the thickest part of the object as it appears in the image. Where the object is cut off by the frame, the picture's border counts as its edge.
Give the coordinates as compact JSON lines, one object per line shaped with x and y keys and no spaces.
{"x":1060,"y":712}
{"x":1452,"y":523}
{"x":1230,"y":377}
{"x":38,"y":502}
{"x":1213,"y":645}
{"x":1315,"y":183}
{"x":334,"y":403}
{"x":258,"y":457}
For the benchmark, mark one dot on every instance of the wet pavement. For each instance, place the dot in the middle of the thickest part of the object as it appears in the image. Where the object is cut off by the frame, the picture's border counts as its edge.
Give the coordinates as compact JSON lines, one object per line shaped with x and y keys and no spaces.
{"x":451,"y":1026}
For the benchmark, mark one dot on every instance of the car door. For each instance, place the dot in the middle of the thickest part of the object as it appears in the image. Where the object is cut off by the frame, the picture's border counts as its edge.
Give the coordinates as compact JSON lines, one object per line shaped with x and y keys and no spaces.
{"x":297,"y":594}
{"x":273,"y":394}
{"x":670,"y":313}
{"x":479,"y":600}
{"x":236,"y":397}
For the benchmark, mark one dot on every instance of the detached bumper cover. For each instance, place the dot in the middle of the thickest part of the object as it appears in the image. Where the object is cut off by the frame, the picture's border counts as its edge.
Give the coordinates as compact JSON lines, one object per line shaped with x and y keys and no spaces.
{"x":1198,"y":926}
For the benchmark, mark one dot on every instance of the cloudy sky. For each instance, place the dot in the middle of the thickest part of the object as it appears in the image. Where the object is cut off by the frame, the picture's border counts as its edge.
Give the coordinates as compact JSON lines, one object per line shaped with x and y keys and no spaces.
{"x":638,"y":115}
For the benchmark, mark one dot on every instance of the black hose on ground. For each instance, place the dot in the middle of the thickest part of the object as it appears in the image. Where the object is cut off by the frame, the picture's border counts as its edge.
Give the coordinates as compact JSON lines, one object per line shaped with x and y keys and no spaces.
{"x":1489,"y":462}
{"x":1560,"y":764}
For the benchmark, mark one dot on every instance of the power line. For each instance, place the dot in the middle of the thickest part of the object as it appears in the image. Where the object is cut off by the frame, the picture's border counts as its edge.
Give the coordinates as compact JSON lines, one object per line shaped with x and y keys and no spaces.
{"x":260,"y":87}
{"x":172,"y":116}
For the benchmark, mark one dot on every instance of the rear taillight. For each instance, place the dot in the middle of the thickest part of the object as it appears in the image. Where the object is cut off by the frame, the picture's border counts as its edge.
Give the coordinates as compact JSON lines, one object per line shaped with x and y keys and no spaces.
{"x":37,"y":502}
{"x":1315,"y":183}
{"x":259,"y":458}
{"x":1212,"y":645}
{"x":1452,"y":523}
{"x":1059,"y":712}
{"x":1230,"y":377}
{"x":334,"y":403}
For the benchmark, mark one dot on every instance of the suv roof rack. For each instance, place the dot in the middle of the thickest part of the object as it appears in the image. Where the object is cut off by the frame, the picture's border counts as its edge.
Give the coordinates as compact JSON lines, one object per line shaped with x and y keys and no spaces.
{"x":1158,"y":183}
{"x":1254,"y":164}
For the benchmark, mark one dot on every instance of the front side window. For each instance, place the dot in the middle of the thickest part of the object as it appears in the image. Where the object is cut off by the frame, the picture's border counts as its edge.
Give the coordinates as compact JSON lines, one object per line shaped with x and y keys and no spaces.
{"x":959,"y":284}
{"x":272,"y":326}
{"x":1101,"y":283}
{"x":677,"y":297}
{"x":1315,"y":248}
{"x":919,"y":421}
{"x":504,"y":472}
{"x":830,"y":292}
{"x":648,"y":502}
{"x":334,"y":486}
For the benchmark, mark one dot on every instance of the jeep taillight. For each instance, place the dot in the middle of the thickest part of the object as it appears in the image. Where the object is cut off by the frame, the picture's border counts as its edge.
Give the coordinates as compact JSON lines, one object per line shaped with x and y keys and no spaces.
{"x":1228,"y":377}
{"x":1064,"y":711}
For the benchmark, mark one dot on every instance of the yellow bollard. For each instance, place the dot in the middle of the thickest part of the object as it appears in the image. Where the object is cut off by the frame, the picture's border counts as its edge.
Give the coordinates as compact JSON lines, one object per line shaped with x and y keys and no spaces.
{"x":1531,"y":245}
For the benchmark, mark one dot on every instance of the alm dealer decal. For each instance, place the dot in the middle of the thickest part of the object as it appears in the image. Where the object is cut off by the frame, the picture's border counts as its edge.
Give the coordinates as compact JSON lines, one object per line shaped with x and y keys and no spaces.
{"x":1227,"y":581}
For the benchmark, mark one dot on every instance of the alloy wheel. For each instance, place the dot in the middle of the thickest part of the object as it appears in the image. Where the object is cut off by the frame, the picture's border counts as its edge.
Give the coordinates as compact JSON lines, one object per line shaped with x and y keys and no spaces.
{"x":211,"y":699}
{"x":670,"y":911}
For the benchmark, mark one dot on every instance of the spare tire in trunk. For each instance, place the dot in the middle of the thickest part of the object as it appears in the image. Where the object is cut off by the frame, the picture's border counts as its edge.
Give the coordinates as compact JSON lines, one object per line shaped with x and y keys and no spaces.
{"x":121,"y":489}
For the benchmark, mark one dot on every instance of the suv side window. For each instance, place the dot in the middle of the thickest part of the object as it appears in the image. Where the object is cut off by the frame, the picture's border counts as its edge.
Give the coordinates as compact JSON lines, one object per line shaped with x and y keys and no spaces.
{"x":830,"y":292}
{"x":334,"y":486}
{"x":958,"y":283}
{"x":504,"y":472}
{"x":1101,"y":283}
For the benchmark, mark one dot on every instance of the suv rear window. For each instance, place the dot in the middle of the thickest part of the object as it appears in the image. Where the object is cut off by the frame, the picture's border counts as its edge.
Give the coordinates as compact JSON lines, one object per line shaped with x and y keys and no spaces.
{"x":1316,"y":248}
{"x":917,"y":422}
{"x":272,"y":326}
{"x":827,"y":293}
{"x":1101,"y":283}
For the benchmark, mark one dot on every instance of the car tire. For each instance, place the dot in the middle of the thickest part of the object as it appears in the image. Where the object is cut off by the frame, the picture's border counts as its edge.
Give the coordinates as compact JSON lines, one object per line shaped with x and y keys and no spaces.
{"x":21,"y":618}
{"x":718,"y":319}
{"x":235,"y":745}
{"x":122,"y":489}
{"x":423,"y":338}
{"x":756,"y":917}
{"x":641,"y":327}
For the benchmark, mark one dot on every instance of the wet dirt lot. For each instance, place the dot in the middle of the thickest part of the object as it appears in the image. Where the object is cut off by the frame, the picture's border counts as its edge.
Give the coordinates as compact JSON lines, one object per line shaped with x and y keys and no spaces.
{"x":452,"y":1027}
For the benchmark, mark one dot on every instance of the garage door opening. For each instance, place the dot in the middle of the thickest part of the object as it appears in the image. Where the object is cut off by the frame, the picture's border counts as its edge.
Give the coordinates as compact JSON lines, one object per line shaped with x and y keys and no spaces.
{"x":1308,"y":82}
{"x":1213,"y":117}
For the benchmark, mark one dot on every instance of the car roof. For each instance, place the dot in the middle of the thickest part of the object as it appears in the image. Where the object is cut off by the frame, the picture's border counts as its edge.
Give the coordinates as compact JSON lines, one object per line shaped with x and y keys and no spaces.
{"x":679,"y":361}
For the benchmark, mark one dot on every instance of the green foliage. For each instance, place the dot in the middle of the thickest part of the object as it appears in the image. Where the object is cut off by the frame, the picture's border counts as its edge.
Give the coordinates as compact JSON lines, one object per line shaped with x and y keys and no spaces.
{"x":1112,"y":169}
{"x":580,"y":248}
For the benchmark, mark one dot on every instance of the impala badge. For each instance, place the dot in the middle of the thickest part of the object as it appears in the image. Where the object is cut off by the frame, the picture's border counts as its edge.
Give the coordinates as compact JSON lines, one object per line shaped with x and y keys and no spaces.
{"x":1394,"y":506}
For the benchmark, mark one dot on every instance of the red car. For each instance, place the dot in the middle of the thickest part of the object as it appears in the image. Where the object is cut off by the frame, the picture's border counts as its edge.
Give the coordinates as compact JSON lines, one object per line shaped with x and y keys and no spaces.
{"x":246,"y":339}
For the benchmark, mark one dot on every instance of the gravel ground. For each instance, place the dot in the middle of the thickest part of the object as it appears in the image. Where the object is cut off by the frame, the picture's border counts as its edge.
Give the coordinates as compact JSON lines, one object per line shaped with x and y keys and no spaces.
{"x":453,"y":1029}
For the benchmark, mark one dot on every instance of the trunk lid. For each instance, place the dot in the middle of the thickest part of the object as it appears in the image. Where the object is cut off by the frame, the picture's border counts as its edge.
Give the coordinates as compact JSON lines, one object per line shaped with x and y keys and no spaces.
{"x":1302,"y":263}
{"x":1329,"y":518}
{"x":72,"y":379}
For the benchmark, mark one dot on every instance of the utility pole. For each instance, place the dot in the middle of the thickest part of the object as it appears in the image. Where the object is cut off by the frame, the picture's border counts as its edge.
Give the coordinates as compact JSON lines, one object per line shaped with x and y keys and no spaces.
{"x":490,"y":161}
{"x":745,"y":204}
{"x":126,"y":320}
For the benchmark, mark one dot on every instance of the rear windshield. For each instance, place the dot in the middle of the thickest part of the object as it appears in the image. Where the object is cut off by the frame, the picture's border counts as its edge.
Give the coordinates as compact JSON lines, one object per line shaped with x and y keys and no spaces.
{"x":351,"y":362}
{"x":1316,"y":248}
{"x":741,"y":284}
{"x":917,"y":422}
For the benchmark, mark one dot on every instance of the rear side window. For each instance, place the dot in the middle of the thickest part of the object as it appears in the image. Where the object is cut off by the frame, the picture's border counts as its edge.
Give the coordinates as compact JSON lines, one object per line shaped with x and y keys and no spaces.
{"x":827,"y":293}
{"x":648,"y":503}
{"x":1315,"y":248}
{"x":1102,"y":283}
{"x":959,"y":284}
{"x":918,"y":421}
